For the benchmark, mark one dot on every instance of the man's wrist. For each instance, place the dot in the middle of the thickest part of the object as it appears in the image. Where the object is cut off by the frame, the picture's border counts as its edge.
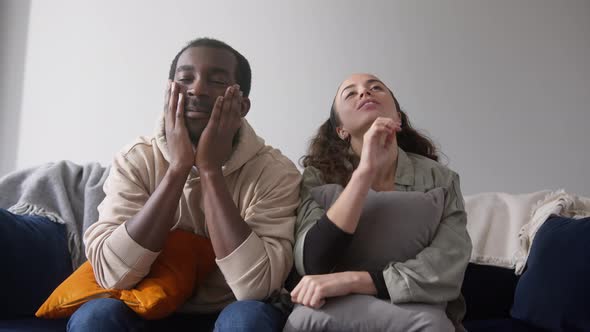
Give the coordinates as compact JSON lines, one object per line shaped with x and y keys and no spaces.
{"x":210,"y":172}
{"x":178,"y":172}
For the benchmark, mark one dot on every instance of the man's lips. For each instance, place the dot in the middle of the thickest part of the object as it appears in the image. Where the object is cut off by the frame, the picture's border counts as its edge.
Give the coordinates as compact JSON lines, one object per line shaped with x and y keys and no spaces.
{"x":196,"y":110}
{"x":196,"y":114}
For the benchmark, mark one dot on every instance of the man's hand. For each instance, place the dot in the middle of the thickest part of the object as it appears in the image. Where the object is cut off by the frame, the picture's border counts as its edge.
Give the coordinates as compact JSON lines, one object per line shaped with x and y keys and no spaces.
{"x":177,"y":137}
{"x":215,"y":144}
{"x":313,"y":290}
{"x":151,"y":225}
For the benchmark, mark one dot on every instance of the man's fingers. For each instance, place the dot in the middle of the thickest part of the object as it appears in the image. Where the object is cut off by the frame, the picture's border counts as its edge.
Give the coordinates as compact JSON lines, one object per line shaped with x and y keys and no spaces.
{"x":230,"y":109}
{"x":166,"y":104}
{"x":167,"y":95}
{"x":236,"y":102}
{"x":216,"y":113}
{"x":230,"y":118}
{"x":172,"y":102}
{"x":229,"y":93}
{"x":180,"y":111}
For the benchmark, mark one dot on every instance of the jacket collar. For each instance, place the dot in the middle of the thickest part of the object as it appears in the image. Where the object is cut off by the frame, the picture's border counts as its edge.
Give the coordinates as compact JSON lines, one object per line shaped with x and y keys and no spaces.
{"x":404,"y":175}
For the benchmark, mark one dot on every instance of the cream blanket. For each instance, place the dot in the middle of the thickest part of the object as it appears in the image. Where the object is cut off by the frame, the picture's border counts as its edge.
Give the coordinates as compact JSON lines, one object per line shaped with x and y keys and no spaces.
{"x":503,"y":226}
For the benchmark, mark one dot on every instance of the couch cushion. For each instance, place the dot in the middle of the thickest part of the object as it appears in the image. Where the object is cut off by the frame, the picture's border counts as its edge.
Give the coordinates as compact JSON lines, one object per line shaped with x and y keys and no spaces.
{"x":33,"y":324}
{"x":488,"y":291}
{"x":35,"y":259}
{"x":554,"y":293}
{"x":499,"y":325}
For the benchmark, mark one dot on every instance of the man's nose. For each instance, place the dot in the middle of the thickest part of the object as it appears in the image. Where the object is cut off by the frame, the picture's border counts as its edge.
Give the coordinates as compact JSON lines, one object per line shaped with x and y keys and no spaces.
{"x":197,"y":88}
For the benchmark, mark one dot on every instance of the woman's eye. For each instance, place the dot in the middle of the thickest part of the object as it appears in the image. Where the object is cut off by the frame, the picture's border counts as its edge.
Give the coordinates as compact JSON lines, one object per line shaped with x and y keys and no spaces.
{"x":218,"y":82}
{"x":350,"y":94}
{"x":376,"y":87}
{"x":185,"y":80}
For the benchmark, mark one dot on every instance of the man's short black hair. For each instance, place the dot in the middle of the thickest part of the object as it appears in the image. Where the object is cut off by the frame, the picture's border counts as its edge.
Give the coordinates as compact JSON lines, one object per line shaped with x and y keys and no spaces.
{"x":243,"y":71}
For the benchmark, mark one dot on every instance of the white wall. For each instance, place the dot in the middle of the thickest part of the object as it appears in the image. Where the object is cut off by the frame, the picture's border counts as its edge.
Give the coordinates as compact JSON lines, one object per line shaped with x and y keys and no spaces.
{"x":503,"y":86}
{"x":14,"y":16}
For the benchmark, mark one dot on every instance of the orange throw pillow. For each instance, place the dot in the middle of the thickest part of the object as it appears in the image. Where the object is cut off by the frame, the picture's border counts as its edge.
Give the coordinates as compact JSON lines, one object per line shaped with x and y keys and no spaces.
{"x":184,"y":262}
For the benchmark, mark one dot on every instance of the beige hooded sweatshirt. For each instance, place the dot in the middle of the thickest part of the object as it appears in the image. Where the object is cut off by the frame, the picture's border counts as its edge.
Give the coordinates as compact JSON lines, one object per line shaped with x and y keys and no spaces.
{"x":264,"y":185}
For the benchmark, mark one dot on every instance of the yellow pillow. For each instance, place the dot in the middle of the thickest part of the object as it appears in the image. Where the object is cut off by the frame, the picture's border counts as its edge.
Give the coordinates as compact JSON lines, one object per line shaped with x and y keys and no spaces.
{"x":184,"y":262}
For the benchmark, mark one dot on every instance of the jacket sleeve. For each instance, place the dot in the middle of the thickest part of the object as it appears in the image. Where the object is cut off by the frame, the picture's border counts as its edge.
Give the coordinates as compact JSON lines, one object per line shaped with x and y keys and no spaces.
{"x":118,"y":261}
{"x":435,"y":275}
{"x":308,"y":214}
{"x":261,"y":264}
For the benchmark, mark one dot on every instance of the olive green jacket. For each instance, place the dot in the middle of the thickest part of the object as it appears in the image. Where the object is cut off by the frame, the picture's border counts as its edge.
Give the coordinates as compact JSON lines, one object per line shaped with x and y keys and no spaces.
{"x":435,"y":275}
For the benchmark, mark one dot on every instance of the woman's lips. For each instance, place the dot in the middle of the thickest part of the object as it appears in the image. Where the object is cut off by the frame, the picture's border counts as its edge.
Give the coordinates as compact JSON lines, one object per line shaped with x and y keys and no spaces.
{"x":370,"y":105}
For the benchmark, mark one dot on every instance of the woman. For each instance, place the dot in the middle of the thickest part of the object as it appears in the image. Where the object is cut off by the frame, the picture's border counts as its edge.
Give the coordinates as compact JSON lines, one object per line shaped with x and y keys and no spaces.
{"x":368,"y":143}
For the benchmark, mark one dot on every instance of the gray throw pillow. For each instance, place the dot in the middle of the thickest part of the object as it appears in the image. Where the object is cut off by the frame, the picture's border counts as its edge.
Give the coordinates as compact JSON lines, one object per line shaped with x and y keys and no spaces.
{"x":394,"y":226}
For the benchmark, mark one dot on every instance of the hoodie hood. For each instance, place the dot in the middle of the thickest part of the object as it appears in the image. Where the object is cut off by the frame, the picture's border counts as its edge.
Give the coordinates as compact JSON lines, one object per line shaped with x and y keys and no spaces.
{"x":246,"y":146}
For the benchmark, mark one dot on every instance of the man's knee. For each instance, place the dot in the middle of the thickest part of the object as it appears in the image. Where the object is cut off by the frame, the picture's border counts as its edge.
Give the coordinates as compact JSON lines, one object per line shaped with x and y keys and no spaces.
{"x":250,"y":316}
{"x":105,"y":315}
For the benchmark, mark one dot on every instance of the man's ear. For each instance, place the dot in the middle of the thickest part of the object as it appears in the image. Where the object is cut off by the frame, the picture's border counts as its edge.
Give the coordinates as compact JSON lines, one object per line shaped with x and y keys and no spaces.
{"x":342,"y":133}
{"x":245,"y":106}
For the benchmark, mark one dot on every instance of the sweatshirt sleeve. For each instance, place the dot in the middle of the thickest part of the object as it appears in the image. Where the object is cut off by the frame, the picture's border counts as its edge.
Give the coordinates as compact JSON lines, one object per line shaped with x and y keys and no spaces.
{"x":118,"y":261}
{"x":435,"y":275}
{"x":261,"y":264}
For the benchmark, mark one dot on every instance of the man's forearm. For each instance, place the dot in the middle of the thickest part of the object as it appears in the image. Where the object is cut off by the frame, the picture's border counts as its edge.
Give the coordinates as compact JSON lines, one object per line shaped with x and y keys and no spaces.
{"x":150,"y":227}
{"x":227,"y":229}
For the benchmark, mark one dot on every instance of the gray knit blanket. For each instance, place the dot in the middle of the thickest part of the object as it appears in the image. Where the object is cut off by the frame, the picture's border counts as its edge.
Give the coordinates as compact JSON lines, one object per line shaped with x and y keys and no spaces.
{"x":64,"y":192}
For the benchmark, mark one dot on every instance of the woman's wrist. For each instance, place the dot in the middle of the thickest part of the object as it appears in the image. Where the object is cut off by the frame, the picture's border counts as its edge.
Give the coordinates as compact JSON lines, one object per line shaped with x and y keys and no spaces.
{"x":361,"y":283}
{"x":346,"y":211}
{"x":362,"y":177}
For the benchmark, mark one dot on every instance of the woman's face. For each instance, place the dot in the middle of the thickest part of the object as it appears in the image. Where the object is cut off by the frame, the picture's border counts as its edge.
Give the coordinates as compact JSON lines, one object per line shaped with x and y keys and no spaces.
{"x":360,"y":100}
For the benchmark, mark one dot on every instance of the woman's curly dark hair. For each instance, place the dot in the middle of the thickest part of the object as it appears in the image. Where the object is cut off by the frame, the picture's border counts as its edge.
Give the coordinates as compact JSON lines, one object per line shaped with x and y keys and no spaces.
{"x":336,"y":161}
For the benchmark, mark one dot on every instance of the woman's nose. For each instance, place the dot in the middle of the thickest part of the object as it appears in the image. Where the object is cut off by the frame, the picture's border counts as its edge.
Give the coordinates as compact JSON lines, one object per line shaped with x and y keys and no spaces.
{"x":365,"y":93}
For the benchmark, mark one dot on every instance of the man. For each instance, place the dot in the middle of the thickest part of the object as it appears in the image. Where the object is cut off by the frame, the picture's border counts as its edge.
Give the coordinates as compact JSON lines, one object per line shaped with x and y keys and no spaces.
{"x":205,"y":171}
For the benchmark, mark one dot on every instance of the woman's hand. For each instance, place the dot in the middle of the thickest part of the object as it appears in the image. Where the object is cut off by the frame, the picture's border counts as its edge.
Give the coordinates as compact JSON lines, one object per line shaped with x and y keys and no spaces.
{"x":313,"y":290}
{"x":379,"y":145}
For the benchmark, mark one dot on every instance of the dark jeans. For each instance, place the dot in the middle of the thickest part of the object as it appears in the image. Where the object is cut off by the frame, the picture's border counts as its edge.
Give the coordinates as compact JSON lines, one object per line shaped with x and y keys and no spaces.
{"x":114,"y":315}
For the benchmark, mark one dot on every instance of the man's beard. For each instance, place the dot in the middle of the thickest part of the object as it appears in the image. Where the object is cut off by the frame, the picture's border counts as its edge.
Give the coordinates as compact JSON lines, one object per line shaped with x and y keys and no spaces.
{"x":195,"y":129}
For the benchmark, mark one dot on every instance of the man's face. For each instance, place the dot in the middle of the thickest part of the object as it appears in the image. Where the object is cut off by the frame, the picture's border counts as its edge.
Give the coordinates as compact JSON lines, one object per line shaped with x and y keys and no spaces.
{"x":203,"y":74}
